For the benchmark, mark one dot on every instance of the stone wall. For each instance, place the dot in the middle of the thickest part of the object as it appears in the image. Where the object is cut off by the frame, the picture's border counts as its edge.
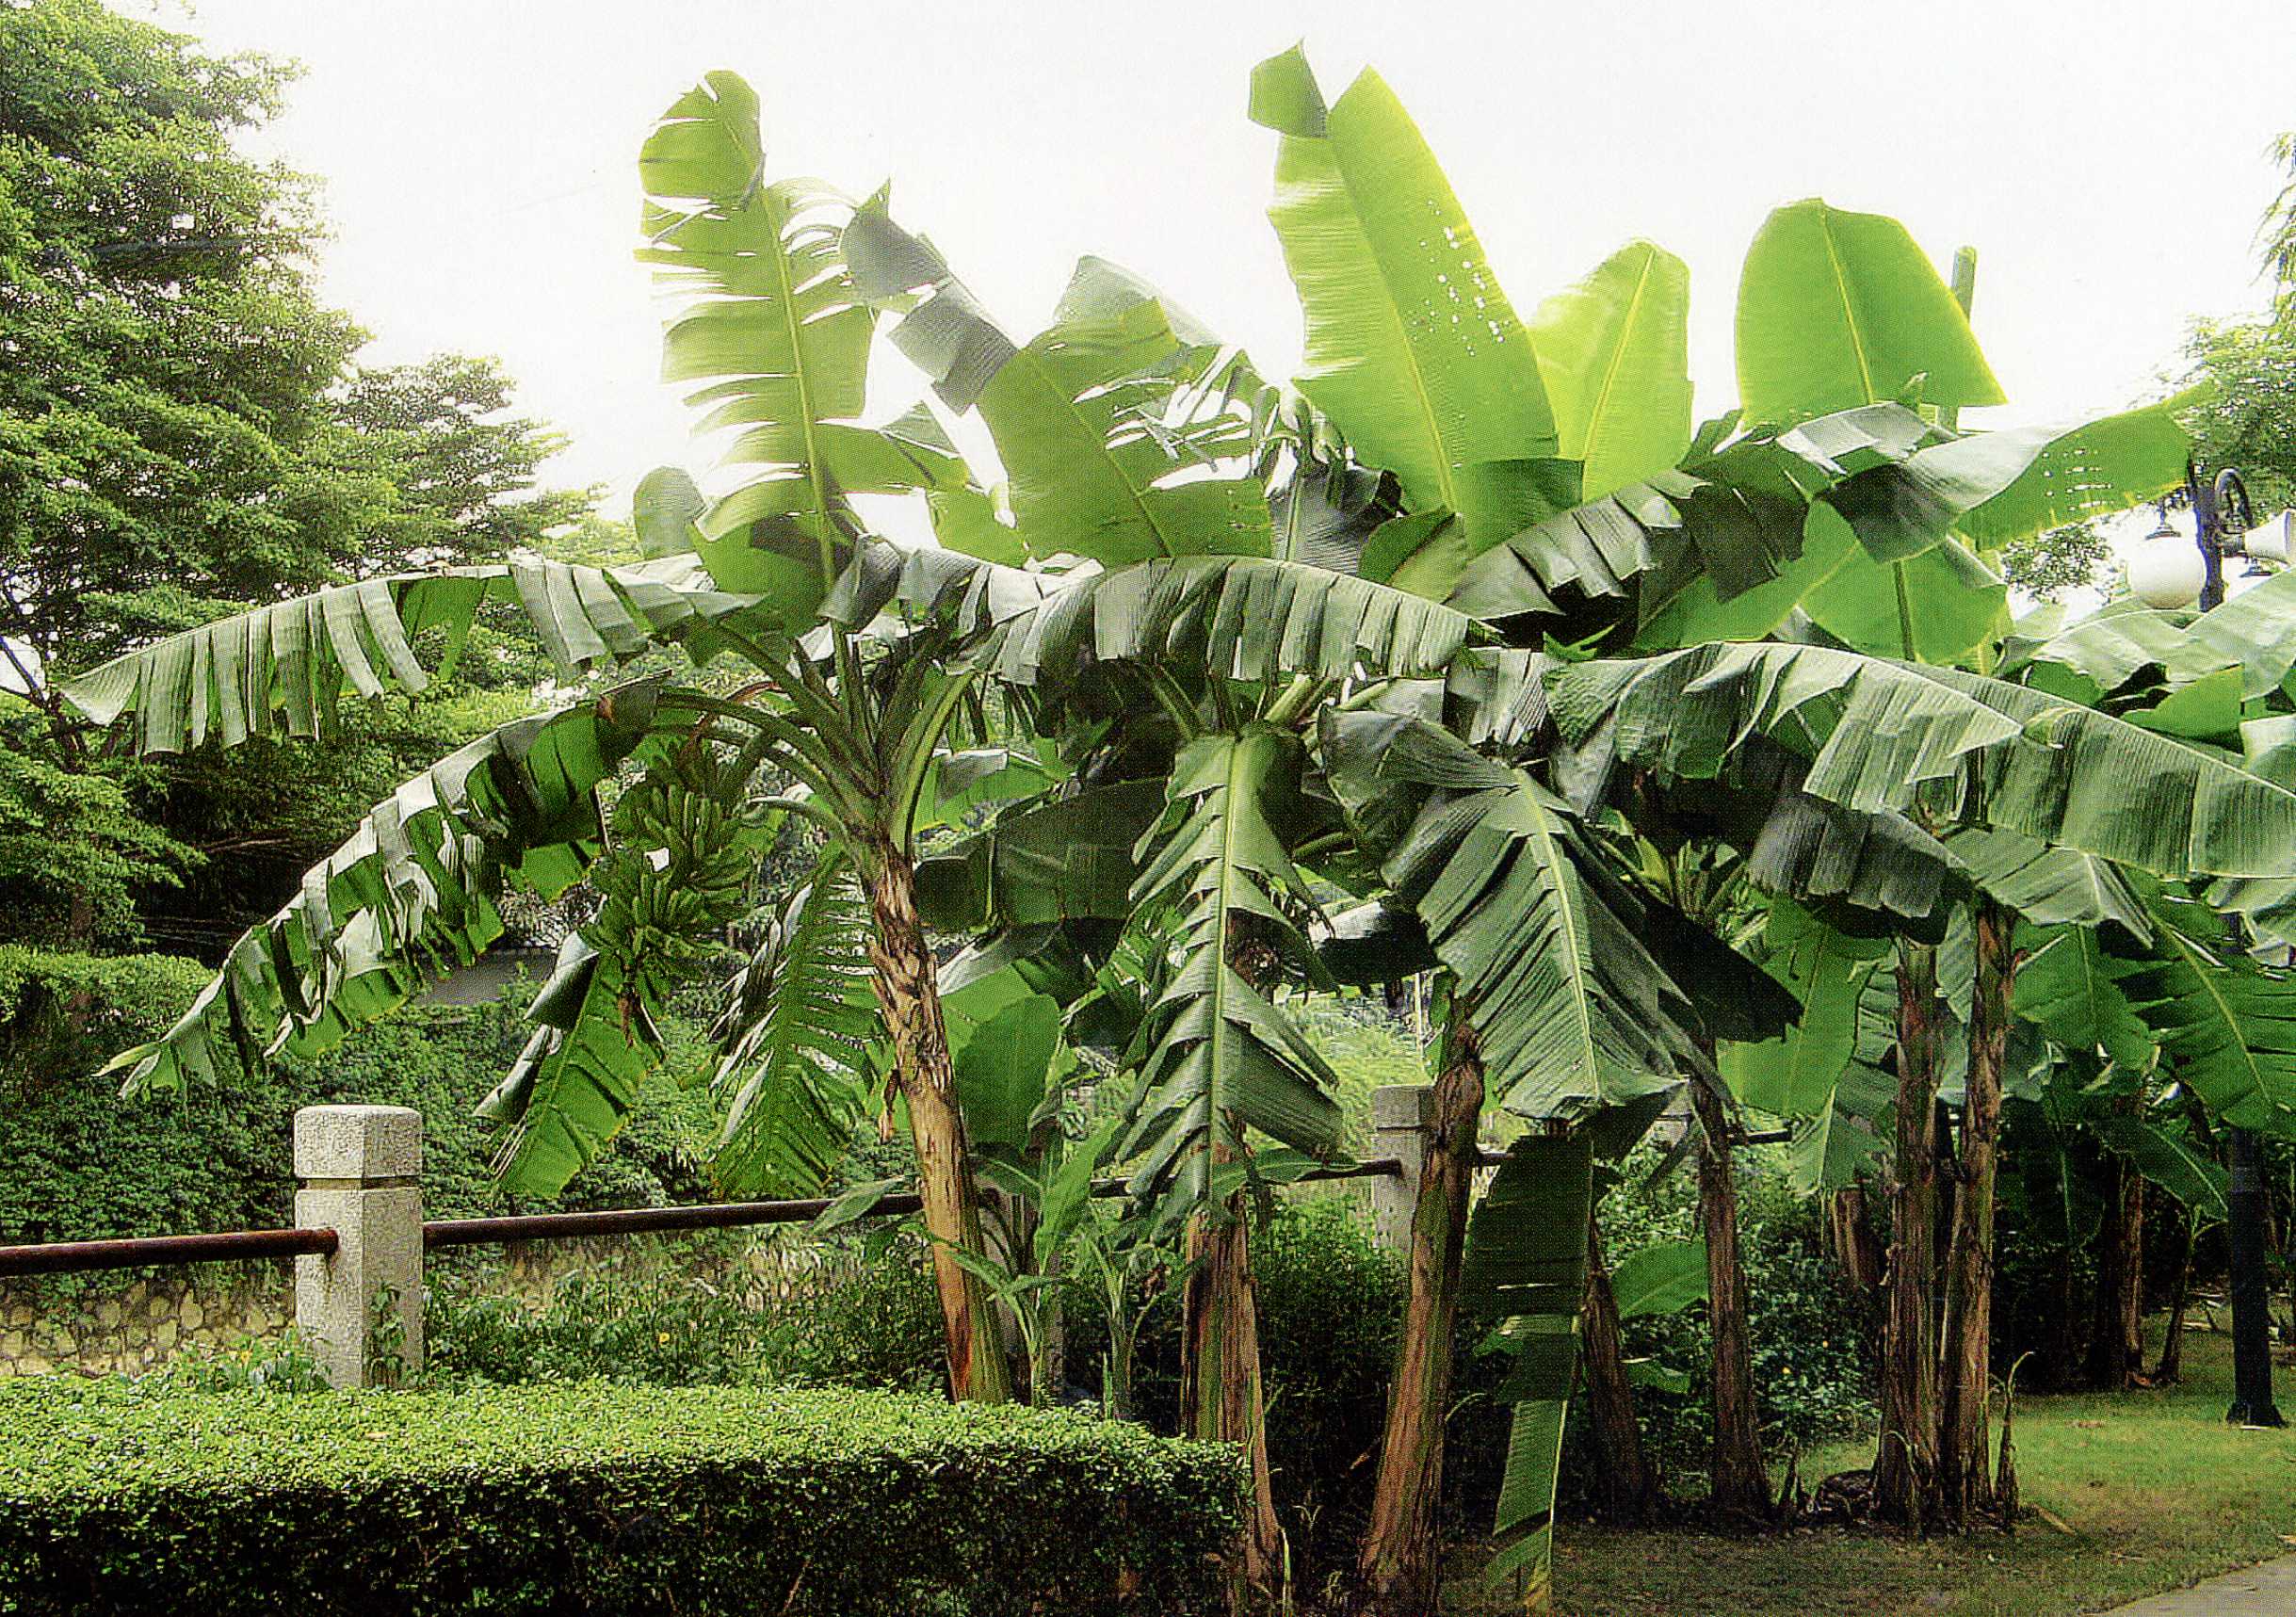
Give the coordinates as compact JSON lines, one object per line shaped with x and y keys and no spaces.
{"x":142,"y":1324}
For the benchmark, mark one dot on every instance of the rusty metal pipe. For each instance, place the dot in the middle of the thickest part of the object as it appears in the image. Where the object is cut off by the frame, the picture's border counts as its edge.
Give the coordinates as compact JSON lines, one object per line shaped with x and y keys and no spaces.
{"x":142,"y":1252}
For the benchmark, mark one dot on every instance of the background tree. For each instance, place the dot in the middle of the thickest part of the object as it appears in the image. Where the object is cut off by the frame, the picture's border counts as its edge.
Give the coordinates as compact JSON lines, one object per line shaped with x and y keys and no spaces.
{"x":182,"y":429}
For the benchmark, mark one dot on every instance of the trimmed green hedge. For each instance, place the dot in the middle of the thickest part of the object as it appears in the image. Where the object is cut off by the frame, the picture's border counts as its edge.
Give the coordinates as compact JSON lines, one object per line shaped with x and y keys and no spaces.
{"x":595,"y":1498}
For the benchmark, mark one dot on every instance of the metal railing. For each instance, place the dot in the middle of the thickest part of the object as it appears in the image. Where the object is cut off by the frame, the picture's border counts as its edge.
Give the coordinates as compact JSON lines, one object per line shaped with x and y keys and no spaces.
{"x":144,"y":1252}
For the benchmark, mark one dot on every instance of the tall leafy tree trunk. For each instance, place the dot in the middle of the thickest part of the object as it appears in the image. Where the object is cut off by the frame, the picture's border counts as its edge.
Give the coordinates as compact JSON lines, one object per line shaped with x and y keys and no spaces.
{"x":2117,"y":1335}
{"x":1907,"y":1454}
{"x":1400,"y":1562}
{"x":2119,"y":1275}
{"x":1965,"y":1471}
{"x":909,"y":992}
{"x":1849,"y":1236}
{"x":1221,"y":1394}
{"x":1624,"y":1485}
{"x":2171,"y":1367}
{"x":1221,"y":1397}
{"x":1742,"y":1475}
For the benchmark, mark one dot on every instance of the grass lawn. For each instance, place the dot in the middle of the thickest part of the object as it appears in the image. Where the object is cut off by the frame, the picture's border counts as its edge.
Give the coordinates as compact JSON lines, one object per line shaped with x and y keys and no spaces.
{"x":2152,"y":1489}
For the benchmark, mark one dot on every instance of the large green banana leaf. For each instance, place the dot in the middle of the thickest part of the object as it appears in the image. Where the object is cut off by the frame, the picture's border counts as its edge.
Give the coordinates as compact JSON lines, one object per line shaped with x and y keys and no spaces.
{"x":1240,"y":618}
{"x":1219,"y":1050}
{"x":2225,"y":1024}
{"x":1614,"y":350}
{"x":1848,"y":514}
{"x":792,"y":1075}
{"x":771,"y":339}
{"x":1525,"y":1273}
{"x":1837,"y":309}
{"x":2106,"y":465}
{"x":2069,"y":985}
{"x":1061,"y":858}
{"x":1570,"y":1011}
{"x":1795,"y":1075}
{"x":2167,"y":1155}
{"x":240,"y":676}
{"x":1883,"y":735}
{"x":1125,"y":430}
{"x":2044,"y":884}
{"x":1412,"y":347}
{"x":593,"y":1046}
{"x":411,"y":893}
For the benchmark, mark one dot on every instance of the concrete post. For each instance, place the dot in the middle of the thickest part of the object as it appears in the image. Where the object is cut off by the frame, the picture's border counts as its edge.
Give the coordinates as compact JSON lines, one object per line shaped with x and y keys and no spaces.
{"x":361,"y":1309}
{"x":1399,"y":1116}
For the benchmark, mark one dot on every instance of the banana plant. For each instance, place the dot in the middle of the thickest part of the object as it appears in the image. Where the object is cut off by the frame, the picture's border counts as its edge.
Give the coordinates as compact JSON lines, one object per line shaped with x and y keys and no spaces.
{"x":858,"y":658}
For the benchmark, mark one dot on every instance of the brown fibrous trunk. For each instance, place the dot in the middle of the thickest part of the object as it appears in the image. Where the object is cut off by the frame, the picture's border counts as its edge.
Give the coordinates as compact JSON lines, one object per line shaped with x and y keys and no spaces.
{"x":1625,"y":1490}
{"x":1740,"y":1474}
{"x":2116,"y":1340}
{"x":908,"y":991}
{"x":1221,"y":1397}
{"x":1964,"y":1478}
{"x":1906,"y":1456}
{"x":1400,"y":1562}
{"x":2171,"y":1367}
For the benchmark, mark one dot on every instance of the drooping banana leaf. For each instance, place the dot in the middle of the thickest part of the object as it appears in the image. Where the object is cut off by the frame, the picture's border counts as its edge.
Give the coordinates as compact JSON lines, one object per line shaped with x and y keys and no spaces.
{"x":1061,"y":858}
{"x":1237,"y":618}
{"x":2254,"y":631}
{"x":1664,"y":1277}
{"x":1412,"y":347}
{"x":2108,"y":466}
{"x":296,"y":659}
{"x":1525,"y":1273}
{"x":2167,"y":1155}
{"x":792,"y":1077}
{"x":1837,"y":309}
{"x":1820,"y":853}
{"x":1794,"y":1076}
{"x":1125,"y":430}
{"x":2044,"y":884}
{"x":1218,"y":1051}
{"x":1614,"y":351}
{"x":411,"y":893}
{"x":2225,"y":1024}
{"x":2069,"y":985}
{"x":1882,"y":734}
{"x":1849,"y":513}
{"x":1572,"y":1012}
{"x":1003,"y":1068}
{"x":2097,"y":654}
{"x":593,"y":1046}
{"x":1732,"y":514}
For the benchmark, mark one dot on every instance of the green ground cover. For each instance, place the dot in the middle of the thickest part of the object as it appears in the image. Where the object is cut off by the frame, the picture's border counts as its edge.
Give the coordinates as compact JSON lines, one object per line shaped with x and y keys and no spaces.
{"x":2130,"y":1495}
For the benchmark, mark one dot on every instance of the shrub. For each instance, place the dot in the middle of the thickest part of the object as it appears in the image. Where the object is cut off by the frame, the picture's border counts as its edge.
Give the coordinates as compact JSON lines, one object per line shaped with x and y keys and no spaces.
{"x":863,"y":1321}
{"x":1331,"y":1306}
{"x":660,"y":1327}
{"x":595,"y":1498}
{"x":78,"y":1163}
{"x":1812,"y":1371}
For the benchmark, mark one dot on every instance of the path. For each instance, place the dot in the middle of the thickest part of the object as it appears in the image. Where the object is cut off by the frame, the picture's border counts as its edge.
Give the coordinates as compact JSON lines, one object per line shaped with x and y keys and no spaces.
{"x":2266,"y":1591}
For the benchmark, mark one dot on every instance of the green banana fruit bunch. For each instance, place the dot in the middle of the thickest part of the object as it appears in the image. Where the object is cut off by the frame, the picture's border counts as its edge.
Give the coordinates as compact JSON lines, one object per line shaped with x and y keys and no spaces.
{"x":680,"y":868}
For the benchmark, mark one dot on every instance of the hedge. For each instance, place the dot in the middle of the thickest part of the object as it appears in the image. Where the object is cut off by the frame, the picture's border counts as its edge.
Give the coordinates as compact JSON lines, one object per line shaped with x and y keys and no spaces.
{"x":595,"y":1498}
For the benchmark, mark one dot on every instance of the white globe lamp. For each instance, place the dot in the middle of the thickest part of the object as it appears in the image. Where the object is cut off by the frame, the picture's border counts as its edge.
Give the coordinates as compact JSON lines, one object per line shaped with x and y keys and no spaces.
{"x":2166,"y":574}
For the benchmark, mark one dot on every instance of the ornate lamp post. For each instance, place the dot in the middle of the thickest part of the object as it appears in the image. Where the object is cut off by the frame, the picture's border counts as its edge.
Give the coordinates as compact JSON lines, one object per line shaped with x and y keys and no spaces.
{"x":2161,"y":576}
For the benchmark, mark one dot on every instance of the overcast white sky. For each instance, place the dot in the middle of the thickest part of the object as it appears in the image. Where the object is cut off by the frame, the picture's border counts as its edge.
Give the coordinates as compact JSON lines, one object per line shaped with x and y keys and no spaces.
{"x":479,"y":157}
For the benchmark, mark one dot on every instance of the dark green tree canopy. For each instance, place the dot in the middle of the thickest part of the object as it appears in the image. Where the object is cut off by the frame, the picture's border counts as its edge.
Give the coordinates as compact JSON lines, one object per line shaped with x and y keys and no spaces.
{"x":183,"y":429}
